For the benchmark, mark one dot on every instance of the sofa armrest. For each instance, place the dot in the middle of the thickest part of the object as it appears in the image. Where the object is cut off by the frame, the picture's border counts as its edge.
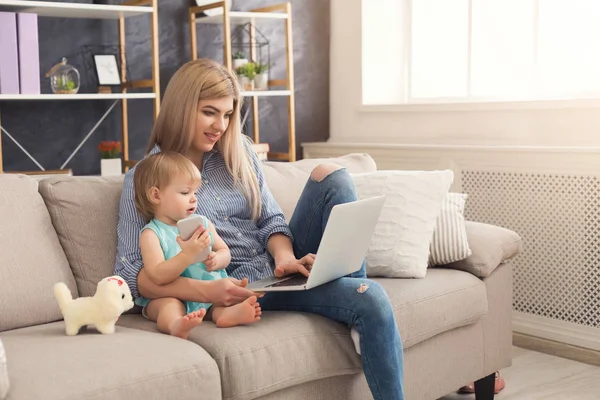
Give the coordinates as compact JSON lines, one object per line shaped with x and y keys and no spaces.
{"x":490,"y":246}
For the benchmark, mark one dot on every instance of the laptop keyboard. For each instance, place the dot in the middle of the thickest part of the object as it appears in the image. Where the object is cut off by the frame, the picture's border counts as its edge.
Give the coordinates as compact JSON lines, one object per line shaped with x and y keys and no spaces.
{"x":293,"y":281}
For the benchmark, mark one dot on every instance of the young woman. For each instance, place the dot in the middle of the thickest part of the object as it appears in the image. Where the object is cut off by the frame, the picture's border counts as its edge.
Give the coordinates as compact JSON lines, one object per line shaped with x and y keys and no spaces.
{"x":200,"y":119}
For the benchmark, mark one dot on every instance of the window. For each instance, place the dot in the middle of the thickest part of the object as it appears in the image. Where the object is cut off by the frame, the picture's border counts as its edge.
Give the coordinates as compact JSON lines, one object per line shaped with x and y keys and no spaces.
{"x":472,"y":50}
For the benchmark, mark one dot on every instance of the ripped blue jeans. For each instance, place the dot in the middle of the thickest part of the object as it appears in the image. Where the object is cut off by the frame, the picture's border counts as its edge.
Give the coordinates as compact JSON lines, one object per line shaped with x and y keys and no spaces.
{"x":369,"y":312}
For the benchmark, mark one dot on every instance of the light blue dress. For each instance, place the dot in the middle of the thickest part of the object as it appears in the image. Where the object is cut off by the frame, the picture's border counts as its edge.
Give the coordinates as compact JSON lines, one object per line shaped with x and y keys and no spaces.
{"x":167,"y":235}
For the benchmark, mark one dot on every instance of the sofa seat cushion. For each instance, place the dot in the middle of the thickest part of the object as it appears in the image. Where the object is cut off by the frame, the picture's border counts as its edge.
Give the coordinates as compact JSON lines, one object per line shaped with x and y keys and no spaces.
{"x":283,"y":349}
{"x":129,"y":364}
{"x":444,"y":300}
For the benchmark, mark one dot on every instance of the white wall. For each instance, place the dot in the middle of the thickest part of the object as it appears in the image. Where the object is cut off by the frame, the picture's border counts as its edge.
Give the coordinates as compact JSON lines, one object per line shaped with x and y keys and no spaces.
{"x":555,"y":144}
{"x":559,"y":123}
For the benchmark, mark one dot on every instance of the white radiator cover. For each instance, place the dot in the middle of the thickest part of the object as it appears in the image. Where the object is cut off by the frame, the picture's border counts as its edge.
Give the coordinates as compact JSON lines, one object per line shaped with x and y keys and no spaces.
{"x":557,"y":276}
{"x":551,"y":197}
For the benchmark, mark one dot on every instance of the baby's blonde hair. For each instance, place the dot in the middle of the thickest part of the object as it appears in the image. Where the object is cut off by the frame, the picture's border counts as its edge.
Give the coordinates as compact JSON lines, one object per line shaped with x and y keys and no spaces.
{"x":158,"y":170}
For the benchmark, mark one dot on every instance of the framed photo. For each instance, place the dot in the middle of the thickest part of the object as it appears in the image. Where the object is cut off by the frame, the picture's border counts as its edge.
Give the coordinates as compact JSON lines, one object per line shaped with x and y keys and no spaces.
{"x":107,"y":69}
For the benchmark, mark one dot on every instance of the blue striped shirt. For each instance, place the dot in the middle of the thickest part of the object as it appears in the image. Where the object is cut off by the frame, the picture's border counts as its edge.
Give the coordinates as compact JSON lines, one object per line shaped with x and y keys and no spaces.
{"x":228,"y":210}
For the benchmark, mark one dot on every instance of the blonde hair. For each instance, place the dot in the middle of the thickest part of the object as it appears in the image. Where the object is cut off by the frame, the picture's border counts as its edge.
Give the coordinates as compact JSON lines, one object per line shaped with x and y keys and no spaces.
{"x":175,"y":126}
{"x":159,"y":170}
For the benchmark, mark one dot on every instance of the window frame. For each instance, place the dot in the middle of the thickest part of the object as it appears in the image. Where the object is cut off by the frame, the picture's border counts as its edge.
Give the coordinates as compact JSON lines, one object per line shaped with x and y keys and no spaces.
{"x":534,"y":100}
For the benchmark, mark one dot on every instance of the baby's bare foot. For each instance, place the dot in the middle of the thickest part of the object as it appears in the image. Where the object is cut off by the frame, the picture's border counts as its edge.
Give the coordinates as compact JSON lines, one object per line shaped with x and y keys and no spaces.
{"x":243,"y":313}
{"x":182,"y":327}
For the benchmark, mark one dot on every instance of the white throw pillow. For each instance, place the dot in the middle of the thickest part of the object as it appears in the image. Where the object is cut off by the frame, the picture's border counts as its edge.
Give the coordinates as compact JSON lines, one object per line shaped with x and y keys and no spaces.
{"x":450,"y":242}
{"x":3,"y":373}
{"x":400,"y":244}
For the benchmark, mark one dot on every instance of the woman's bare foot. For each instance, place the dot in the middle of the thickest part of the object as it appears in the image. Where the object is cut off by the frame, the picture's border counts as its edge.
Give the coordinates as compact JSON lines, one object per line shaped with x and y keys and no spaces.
{"x":182,"y":327}
{"x":243,"y":313}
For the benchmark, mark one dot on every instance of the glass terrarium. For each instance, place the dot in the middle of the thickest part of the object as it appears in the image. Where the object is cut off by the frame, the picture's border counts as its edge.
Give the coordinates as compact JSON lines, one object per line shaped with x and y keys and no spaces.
{"x":64,"y":78}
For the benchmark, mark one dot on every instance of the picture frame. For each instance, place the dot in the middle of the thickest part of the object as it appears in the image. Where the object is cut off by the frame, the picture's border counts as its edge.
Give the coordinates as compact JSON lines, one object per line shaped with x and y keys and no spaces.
{"x":107,"y":69}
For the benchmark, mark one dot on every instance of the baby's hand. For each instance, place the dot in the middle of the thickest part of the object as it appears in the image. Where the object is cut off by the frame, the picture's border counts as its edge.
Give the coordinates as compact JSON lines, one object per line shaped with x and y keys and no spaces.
{"x":212,"y":263}
{"x":196,"y":244}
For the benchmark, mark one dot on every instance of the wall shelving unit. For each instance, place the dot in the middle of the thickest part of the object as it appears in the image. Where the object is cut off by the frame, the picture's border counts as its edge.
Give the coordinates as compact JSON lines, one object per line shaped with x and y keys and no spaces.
{"x":120,"y":12}
{"x":283,"y":87}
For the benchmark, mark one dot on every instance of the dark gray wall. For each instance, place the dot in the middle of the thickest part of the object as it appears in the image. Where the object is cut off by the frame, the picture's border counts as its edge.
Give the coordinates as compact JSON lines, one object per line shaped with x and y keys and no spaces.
{"x":51,"y":130}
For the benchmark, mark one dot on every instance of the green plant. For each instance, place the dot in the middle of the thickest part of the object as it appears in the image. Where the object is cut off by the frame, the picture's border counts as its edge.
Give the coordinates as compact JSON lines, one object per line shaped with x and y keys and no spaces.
{"x":239,"y":55}
{"x":65,"y":82}
{"x":248,"y":70}
{"x":261,"y":68}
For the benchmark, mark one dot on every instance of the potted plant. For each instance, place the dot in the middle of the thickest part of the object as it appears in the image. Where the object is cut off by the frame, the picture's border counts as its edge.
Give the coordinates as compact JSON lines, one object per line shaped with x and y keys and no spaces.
{"x":64,"y":78}
{"x":246,"y":73}
{"x":110,"y":163}
{"x":261,"y":80}
{"x":239,"y":59}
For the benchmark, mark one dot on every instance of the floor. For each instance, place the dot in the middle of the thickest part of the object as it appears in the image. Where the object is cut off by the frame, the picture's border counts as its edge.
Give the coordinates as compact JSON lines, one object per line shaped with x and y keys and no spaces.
{"x":536,"y":376}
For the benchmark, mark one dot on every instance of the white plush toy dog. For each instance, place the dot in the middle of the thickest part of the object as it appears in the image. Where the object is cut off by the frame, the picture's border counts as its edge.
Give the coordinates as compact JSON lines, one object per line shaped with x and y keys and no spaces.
{"x":112,"y":298}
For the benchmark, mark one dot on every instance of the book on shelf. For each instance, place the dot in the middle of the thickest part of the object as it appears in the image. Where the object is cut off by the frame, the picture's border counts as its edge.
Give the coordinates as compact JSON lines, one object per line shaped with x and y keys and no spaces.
{"x":9,"y":62}
{"x":29,"y":55}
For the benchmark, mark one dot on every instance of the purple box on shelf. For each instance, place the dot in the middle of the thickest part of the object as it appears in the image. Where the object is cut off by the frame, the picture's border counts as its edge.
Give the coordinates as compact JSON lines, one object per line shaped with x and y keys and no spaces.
{"x":29,"y":54}
{"x":9,"y":62}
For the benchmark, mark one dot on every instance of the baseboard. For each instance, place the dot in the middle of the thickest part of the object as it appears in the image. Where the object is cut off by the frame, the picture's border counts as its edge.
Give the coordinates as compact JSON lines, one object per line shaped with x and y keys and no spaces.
{"x":557,"y":349}
{"x":566,"y":333}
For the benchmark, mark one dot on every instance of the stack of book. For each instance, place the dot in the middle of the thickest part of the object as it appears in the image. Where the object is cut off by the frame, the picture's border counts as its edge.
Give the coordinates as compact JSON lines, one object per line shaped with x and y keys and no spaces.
{"x":19,"y":53}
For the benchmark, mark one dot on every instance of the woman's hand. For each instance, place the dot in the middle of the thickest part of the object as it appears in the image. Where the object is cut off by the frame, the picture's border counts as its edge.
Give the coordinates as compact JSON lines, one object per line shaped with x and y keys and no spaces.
{"x":293,"y":266}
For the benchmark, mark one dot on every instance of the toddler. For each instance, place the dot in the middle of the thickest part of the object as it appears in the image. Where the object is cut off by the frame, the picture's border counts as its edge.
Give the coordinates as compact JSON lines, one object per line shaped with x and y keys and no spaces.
{"x":165,"y":186}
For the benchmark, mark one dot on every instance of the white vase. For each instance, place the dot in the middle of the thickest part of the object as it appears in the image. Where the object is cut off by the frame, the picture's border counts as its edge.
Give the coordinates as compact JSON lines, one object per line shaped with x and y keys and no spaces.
{"x":261,"y":81}
{"x":247,"y":84}
{"x":239,"y":62}
{"x":110,"y":167}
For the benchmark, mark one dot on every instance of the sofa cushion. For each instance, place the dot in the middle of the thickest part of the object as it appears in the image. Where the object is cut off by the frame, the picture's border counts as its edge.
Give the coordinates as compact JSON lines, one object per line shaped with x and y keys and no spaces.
{"x":84,"y":211}
{"x":129,"y":364}
{"x":490,"y":245}
{"x":31,"y":259}
{"x":287,"y":180}
{"x":450,"y":242}
{"x":399,"y":246}
{"x":282,"y":350}
{"x":255,"y":360}
{"x":445,"y":300}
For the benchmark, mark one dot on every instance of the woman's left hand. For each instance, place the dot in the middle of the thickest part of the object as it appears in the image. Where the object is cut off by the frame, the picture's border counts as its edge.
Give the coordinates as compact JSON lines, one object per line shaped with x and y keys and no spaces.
{"x":295,"y":266}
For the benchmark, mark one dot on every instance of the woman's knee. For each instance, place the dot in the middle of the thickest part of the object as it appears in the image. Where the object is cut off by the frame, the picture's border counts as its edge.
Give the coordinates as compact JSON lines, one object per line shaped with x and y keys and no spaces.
{"x":377,"y":301}
{"x":322,"y":171}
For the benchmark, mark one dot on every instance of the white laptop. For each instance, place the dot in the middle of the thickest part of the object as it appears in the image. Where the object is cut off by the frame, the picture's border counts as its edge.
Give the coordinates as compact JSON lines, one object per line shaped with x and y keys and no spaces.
{"x":342,"y":249}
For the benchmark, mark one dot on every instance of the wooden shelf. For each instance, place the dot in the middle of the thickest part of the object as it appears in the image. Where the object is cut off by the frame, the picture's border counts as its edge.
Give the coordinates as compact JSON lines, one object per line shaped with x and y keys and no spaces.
{"x":73,"y":10}
{"x":255,"y":93}
{"x":281,"y":13}
{"x":241,"y":17}
{"x":119,"y":13}
{"x":79,"y":96}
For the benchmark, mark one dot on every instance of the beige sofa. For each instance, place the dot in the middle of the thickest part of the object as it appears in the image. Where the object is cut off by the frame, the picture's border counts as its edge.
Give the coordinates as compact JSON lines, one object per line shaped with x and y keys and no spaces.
{"x":455,"y":323}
